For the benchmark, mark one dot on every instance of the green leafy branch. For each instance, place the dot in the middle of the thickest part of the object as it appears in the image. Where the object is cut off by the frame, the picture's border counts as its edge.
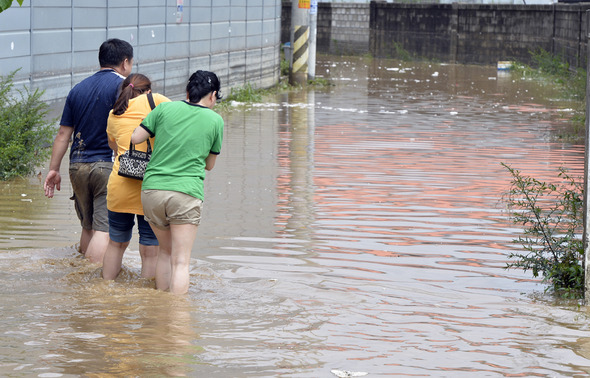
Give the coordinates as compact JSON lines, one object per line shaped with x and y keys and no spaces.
{"x":552,"y":220}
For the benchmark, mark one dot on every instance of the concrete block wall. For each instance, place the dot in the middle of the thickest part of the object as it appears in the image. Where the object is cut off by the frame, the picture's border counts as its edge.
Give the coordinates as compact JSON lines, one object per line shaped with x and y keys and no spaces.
{"x":349,"y":25}
{"x":55,"y":43}
{"x":458,"y":32}
{"x":570,"y":33}
{"x":480,"y":33}
{"x":488,"y":33}
{"x":422,"y":29}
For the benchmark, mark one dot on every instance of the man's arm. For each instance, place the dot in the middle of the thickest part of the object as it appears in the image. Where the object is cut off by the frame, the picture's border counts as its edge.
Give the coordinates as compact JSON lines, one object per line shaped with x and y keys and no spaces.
{"x":60,"y":146}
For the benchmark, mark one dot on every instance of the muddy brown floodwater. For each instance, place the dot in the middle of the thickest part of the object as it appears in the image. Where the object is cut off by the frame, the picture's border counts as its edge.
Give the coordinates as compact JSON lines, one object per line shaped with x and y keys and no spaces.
{"x":357,"y":227}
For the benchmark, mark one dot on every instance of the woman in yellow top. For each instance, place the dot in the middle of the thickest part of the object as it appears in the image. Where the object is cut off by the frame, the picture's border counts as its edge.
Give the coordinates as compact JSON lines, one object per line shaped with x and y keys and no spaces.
{"x":124,"y":194}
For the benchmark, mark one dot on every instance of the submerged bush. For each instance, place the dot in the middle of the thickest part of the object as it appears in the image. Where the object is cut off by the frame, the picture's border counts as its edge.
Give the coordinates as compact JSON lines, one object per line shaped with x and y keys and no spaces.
{"x":401,"y":53}
{"x":552,"y":220}
{"x":555,"y":69}
{"x":25,"y":134}
{"x":284,"y":66}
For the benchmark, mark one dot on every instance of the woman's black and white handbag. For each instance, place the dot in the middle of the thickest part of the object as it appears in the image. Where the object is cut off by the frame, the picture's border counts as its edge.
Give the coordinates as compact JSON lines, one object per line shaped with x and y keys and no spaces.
{"x":132,"y":163}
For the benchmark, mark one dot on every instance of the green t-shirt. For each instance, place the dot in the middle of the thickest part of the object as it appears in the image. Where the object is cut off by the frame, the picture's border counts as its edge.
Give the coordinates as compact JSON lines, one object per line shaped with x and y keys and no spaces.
{"x":185,"y":134}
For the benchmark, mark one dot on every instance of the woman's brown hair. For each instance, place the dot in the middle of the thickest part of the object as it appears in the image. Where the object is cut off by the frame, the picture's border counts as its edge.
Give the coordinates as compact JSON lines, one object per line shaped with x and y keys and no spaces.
{"x":132,"y":86}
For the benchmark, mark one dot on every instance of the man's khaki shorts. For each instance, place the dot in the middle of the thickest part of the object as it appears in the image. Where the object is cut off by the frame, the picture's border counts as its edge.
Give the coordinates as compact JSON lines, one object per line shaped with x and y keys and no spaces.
{"x":163,"y":207}
{"x":89,"y":183}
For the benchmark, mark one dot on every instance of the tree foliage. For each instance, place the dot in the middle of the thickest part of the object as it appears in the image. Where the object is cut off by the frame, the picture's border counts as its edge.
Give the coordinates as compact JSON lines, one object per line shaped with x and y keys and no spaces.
{"x":5,"y":4}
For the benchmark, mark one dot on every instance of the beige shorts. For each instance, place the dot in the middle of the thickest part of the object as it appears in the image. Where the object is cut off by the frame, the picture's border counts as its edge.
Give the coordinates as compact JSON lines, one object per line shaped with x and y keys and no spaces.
{"x":89,"y":183}
{"x":164,"y":207}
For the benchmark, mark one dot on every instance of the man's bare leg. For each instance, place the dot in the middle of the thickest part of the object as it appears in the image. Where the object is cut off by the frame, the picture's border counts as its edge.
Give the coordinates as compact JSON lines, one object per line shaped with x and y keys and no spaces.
{"x":85,"y":240}
{"x":97,"y":247}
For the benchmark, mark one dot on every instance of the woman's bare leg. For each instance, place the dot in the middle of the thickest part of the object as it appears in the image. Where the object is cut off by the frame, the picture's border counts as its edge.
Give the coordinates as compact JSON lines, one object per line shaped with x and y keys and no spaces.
{"x":149,"y":259}
{"x":183,"y":238}
{"x":163,"y":262}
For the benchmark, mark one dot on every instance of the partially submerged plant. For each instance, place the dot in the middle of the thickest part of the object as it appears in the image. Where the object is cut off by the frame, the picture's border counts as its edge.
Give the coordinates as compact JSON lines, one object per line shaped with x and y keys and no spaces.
{"x":401,"y":53}
{"x":25,"y":131}
{"x":555,"y":71}
{"x":552,"y":220}
{"x":246,"y":93}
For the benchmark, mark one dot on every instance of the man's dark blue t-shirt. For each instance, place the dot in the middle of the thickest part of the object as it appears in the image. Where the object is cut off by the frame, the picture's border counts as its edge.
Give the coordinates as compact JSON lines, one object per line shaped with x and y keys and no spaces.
{"x":87,"y":110}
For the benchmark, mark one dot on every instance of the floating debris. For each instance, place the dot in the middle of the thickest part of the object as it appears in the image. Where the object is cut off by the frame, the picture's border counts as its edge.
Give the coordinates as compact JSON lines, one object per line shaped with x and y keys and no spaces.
{"x":504,"y":65}
{"x":346,"y":373}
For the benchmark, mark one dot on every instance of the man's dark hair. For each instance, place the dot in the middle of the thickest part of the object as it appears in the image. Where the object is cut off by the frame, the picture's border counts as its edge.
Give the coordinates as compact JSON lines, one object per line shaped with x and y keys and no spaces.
{"x":113,"y":52}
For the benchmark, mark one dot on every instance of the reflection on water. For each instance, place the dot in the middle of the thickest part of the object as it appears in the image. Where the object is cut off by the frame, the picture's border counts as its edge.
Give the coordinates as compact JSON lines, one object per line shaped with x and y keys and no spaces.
{"x":357,"y":227}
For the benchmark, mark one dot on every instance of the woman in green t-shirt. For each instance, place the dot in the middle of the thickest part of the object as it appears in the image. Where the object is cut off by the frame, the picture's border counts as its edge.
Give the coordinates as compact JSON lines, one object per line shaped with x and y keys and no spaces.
{"x":188,"y":136}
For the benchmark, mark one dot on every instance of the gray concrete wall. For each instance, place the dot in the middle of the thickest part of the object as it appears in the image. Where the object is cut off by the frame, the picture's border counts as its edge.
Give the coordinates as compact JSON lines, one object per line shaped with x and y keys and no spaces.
{"x":55,"y":42}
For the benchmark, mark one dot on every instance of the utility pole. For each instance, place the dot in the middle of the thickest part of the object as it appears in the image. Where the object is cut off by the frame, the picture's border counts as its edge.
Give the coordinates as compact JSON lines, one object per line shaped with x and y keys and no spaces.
{"x":313,"y":26}
{"x":586,"y":236}
{"x":299,"y":41}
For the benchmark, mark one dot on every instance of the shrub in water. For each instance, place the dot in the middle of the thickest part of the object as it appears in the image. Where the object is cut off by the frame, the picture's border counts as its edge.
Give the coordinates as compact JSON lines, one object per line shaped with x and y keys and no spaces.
{"x":552,"y":220}
{"x":25,"y":133}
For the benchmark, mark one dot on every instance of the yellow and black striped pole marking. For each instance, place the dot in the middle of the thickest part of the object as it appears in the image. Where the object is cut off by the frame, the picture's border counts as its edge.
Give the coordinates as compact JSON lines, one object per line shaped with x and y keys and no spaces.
{"x":300,"y":54}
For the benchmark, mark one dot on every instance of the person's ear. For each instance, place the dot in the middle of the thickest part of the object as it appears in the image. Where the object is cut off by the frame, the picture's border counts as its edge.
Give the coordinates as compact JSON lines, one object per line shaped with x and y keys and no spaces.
{"x":128,"y":65}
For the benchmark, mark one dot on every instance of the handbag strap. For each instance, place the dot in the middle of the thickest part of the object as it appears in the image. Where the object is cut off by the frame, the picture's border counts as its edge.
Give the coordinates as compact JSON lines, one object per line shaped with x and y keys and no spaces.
{"x":132,"y":147}
{"x":152,"y":105}
{"x":151,"y":100}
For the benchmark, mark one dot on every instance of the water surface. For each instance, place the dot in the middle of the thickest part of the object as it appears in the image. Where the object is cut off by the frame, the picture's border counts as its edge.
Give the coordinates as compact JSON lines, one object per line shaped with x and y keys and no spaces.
{"x":357,"y":227}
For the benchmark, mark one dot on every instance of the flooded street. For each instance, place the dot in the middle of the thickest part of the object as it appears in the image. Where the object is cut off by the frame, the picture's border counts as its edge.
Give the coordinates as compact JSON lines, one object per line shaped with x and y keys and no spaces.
{"x":357,"y":227}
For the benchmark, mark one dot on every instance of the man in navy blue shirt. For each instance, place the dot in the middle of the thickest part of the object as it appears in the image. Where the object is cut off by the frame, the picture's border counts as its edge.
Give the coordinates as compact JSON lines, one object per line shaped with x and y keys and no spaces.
{"x":85,"y":117}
